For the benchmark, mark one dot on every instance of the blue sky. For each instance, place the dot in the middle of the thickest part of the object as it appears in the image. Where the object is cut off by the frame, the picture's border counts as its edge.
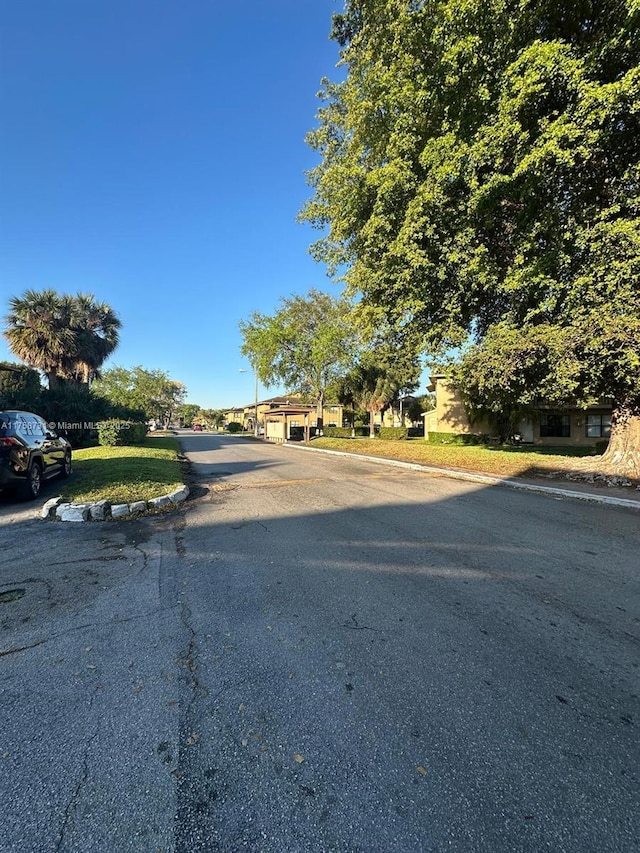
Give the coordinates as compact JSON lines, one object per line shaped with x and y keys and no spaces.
{"x":152,"y":153}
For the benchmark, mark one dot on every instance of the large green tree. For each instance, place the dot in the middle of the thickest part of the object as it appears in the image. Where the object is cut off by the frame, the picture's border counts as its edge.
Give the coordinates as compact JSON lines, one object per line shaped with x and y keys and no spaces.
{"x":67,"y":337}
{"x":479,"y":178}
{"x":306,"y":344}
{"x":150,"y":391}
{"x":188,"y":413}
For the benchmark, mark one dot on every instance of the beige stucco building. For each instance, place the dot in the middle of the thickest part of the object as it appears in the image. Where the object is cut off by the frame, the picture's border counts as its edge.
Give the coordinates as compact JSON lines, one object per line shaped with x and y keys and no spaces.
{"x":553,"y":427}
{"x":332,"y":414}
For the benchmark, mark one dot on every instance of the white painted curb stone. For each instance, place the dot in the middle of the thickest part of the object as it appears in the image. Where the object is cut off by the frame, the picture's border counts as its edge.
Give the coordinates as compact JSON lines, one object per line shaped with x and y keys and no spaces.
{"x":74,"y":512}
{"x":102,"y":510}
{"x":120,"y":510}
{"x":156,"y":503}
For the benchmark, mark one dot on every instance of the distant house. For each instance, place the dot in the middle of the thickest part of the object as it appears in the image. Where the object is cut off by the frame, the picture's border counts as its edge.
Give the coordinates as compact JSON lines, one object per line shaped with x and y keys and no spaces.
{"x":234,"y":416}
{"x":332,"y":414}
{"x":571,"y":427}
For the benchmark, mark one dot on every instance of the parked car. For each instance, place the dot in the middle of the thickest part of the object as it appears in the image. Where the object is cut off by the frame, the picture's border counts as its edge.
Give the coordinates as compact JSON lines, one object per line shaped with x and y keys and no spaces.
{"x":30,"y":452}
{"x":197,"y":427}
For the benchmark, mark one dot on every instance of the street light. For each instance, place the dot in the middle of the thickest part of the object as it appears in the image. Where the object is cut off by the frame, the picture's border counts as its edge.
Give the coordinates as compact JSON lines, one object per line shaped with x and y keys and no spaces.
{"x":255,"y":405}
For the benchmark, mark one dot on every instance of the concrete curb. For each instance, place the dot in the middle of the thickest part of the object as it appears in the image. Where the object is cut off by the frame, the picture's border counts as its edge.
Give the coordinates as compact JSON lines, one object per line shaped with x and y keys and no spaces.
{"x":55,"y":508}
{"x":484,"y":479}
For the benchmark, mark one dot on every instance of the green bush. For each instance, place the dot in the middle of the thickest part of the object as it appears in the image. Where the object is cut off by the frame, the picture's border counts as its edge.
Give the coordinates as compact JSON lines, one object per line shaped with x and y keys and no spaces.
{"x":137,"y":432}
{"x":19,"y":387}
{"x":75,"y":411}
{"x":393,"y":433}
{"x":115,"y":433}
{"x":109,"y":433}
{"x":337,"y":432}
{"x":364,"y":430}
{"x":234,"y":426}
{"x":601,"y":446}
{"x":457,"y":438}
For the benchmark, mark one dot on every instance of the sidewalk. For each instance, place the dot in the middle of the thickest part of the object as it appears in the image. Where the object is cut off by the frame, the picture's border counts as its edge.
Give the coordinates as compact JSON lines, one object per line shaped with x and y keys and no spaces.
{"x":576,"y":490}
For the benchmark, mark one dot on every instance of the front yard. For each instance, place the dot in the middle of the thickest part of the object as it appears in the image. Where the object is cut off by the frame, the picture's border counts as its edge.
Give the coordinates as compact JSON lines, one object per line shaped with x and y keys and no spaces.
{"x":125,"y":474}
{"x":499,"y":461}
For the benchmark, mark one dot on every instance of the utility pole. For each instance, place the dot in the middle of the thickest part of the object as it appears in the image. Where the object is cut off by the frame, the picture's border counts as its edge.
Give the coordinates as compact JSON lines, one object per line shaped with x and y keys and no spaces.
{"x":255,"y":417}
{"x":255,"y":397}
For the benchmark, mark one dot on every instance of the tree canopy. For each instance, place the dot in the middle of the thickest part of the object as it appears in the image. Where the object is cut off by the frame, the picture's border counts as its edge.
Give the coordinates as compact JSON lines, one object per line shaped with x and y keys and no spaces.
{"x":306,"y":344}
{"x":149,"y":391}
{"x":479,"y":179}
{"x":188,"y":413}
{"x":67,"y":337}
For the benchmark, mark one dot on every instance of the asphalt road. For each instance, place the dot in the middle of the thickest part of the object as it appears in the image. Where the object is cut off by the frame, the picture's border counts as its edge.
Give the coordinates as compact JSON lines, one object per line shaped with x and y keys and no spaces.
{"x":322,"y":654}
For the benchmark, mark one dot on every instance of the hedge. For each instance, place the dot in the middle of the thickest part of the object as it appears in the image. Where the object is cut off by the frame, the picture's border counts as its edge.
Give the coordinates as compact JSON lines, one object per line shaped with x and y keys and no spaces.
{"x":456,"y":438}
{"x":393,"y":433}
{"x":364,"y":431}
{"x":601,"y":446}
{"x":234,"y":426}
{"x":337,"y":432}
{"x":114,"y":433}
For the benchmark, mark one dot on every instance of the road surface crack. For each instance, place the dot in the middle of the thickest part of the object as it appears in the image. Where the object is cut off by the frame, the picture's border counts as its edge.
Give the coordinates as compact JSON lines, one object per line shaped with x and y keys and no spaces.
{"x":75,"y":796}
{"x":356,"y":626}
{"x":134,"y":617}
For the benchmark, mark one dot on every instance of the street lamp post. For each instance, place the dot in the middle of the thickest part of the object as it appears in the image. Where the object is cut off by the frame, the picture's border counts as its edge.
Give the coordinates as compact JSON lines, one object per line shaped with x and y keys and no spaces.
{"x":255,"y":404}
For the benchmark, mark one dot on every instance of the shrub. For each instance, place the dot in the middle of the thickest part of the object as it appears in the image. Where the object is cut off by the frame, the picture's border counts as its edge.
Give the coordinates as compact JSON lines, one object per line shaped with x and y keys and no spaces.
{"x":109,"y":433}
{"x":364,"y":430}
{"x":393,"y":433}
{"x":337,"y":432}
{"x":456,"y":438}
{"x":20,"y":387}
{"x":115,"y":433}
{"x":234,"y":426}
{"x":137,"y":432}
{"x":75,"y":410}
{"x":601,"y":446}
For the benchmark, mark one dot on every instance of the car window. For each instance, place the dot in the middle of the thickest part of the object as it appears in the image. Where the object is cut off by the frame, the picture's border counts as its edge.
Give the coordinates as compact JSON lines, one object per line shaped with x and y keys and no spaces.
{"x":21,"y":426}
{"x":32,"y":425}
{"x":41,"y":425}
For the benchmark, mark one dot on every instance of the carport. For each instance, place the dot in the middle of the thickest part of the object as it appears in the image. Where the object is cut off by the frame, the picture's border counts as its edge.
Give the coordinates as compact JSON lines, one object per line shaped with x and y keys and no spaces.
{"x":278,"y":422}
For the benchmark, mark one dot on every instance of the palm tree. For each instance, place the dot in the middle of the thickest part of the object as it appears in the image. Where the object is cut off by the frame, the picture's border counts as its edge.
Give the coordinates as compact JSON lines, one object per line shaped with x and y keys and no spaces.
{"x":377,"y":378}
{"x":39,"y":331}
{"x":67,"y":337}
{"x":95,"y":326}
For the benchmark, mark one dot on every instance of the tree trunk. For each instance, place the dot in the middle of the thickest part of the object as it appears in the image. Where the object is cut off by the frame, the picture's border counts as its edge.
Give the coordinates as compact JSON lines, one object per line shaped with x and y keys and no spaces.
{"x":54,"y":381}
{"x":622,"y":456}
{"x":320,"y":414}
{"x":372,"y":425}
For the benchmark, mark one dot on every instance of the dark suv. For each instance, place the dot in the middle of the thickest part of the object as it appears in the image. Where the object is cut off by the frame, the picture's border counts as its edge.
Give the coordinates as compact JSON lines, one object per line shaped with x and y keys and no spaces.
{"x":30,"y":452}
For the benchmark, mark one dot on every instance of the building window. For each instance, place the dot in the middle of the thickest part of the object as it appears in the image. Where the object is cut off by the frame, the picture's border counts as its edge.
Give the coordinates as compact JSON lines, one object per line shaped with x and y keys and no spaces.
{"x":555,"y":426}
{"x":598,"y":426}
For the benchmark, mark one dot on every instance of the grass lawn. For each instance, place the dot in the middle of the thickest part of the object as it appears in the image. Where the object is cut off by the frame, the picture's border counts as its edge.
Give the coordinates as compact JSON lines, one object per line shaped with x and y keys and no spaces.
{"x":497,"y":460}
{"x":125,"y":474}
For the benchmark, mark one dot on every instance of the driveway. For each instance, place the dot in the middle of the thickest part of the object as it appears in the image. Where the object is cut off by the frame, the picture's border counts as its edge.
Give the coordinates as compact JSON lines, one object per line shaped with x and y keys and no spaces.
{"x":322,"y":654}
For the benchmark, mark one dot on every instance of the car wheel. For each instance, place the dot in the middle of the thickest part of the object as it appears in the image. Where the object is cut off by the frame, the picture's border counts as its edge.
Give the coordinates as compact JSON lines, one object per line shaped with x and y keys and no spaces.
{"x":66,"y":468}
{"x":30,"y":489}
